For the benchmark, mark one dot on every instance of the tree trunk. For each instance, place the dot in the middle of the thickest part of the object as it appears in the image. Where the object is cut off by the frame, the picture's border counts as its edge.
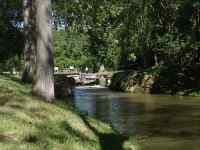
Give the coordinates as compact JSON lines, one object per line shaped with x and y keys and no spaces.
{"x":29,"y":47}
{"x":44,"y":81}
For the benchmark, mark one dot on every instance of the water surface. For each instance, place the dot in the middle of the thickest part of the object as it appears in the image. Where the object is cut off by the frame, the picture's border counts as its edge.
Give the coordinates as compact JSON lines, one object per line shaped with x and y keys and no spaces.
{"x":159,"y":122}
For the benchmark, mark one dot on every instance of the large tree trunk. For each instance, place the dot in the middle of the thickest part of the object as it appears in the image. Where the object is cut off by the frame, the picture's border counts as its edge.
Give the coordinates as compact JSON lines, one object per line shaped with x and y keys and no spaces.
{"x":29,"y":47}
{"x":44,"y":81}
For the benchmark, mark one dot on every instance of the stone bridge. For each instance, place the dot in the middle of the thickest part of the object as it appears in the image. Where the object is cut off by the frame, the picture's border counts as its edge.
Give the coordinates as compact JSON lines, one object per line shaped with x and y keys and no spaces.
{"x":87,"y":78}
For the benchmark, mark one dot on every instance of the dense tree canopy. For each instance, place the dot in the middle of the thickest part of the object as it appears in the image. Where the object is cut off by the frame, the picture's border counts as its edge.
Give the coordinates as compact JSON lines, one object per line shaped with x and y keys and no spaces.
{"x":118,"y":34}
{"x":125,"y":33}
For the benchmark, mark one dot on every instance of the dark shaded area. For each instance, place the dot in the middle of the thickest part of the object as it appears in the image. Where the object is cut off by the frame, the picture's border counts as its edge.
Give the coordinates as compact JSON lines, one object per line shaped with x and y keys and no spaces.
{"x":4,"y":100}
{"x":177,"y":79}
{"x":109,"y":141}
{"x":63,"y":86}
{"x":31,"y":139}
{"x":6,"y":138}
{"x":11,"y":37}
{"x":70,"y":130}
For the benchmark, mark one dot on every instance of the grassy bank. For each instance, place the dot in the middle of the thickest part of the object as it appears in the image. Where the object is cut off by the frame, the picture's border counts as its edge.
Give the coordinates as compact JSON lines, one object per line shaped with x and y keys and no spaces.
{"x":28,"y":123}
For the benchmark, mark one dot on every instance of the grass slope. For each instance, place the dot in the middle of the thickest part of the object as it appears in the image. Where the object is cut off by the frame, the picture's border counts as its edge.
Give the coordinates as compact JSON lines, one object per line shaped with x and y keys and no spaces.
{"x":28,"y":123}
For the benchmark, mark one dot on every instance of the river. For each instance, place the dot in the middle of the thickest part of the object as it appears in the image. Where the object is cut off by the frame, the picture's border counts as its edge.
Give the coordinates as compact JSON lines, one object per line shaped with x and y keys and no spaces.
{"x":159,"y":122}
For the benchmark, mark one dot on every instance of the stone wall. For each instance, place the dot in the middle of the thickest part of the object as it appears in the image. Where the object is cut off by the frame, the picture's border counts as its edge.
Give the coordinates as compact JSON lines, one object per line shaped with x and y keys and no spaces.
{"x":134,"y":82}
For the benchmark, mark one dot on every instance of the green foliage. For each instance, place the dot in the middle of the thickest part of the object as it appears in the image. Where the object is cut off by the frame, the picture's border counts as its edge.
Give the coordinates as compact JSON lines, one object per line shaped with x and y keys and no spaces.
{"x":118,"y":30}
{"x":117,"y":34}
{"x":70,"y":49}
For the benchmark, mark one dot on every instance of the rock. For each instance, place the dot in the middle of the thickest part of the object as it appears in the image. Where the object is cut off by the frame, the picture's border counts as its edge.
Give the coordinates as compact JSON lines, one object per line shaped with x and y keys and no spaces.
{"x":134,"y":82}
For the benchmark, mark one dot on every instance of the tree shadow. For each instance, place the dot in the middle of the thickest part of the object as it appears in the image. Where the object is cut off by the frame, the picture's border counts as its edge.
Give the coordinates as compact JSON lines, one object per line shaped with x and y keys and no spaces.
{"x":108,"y":141}
{"x":4,"y":100}
{"x":6,"y":138}
{"x":66,"y":127}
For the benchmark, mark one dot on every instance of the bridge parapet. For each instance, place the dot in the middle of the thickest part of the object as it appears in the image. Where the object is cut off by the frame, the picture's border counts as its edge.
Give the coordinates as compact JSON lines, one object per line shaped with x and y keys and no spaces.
{"x":86,"y":78}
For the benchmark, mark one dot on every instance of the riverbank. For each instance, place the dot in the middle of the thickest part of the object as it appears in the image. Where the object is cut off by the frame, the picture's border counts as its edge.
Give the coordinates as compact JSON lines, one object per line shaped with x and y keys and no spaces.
{"x":174,"y":80}
{"x":28,"y":122}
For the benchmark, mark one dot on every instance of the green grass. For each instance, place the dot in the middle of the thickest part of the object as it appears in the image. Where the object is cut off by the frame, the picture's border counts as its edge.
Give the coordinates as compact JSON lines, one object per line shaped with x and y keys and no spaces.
{"x":29,"y":123}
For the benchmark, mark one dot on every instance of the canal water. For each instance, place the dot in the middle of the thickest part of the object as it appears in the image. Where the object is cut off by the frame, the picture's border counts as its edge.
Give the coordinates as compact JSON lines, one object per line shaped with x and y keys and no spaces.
{"x":159,"y":122}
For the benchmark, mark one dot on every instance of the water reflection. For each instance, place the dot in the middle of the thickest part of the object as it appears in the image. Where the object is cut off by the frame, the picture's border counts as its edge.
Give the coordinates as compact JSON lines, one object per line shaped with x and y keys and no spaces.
{"x":144,"y":116}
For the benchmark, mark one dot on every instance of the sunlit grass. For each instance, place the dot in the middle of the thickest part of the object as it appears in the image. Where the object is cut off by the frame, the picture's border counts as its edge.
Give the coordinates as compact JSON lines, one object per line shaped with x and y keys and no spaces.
{"x":29,"y":123}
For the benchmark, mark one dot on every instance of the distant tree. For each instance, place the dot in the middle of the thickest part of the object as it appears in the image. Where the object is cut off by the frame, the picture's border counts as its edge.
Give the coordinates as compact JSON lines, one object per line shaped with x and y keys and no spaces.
{"x":44,"y":80}
{"x":70,"y":49}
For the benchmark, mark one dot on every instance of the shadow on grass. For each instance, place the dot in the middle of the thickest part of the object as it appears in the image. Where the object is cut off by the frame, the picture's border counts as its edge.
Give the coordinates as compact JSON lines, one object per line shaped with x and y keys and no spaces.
{"x":60,"y":131}
{"x":68,"y":128}
{"x":31,"y":139}
{"x":4,"y":100}
{"x":6,"y":138}
{"x":16,"y":107}
{"x":108,"y":141}
{"x":12,"y":78}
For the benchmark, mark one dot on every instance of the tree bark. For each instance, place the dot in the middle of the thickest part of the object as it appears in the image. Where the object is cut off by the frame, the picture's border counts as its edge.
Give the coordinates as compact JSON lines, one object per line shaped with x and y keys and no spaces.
{"x":44,"y":81}
{"x":29,"y":43}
